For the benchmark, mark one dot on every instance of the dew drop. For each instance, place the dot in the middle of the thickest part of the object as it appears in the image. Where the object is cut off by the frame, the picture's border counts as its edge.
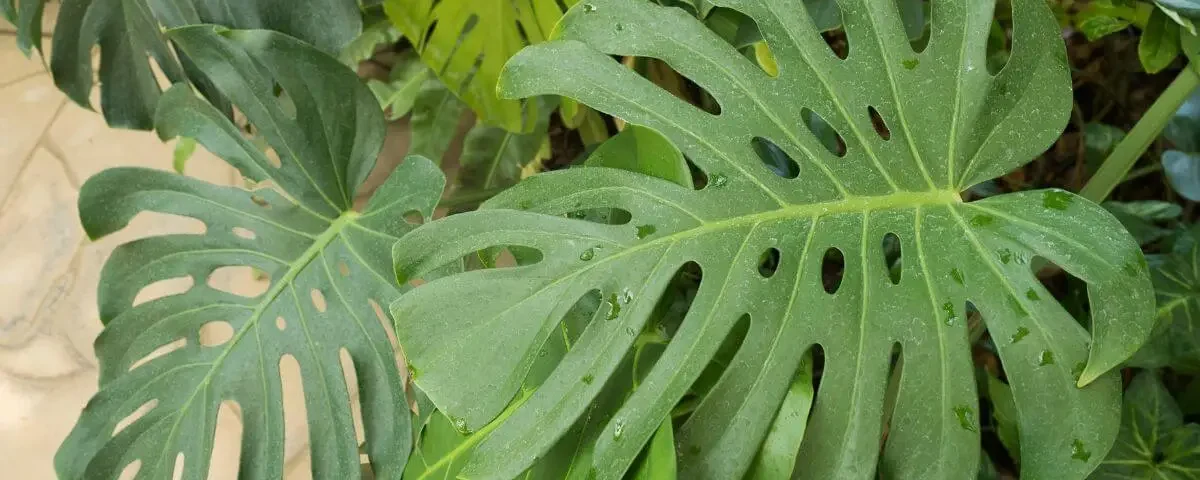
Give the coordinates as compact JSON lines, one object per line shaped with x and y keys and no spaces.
{"x":460,"y":424}
{"x":1022,"y":332}
{"x":1131,"y":269}
{"x":1006,"y":255}
{"x":587,"y":379}
{"x":260,"y":201}
{"x":646,"y":231}
{"x":719,"y":180}
{"x":614,"y":308}
{"x":588,"y":8}
{"x":626,"y":296}
{"x":629,"y":331}
{"x":413,"y":373}
{"x":1056,"y":199}
{"x":620,"y":27}
{"x":951,"y":317}
{"x":1079,"y":451}
{"x":982,"y":220}
{"x":957,"y":275}
{"x":1046,"y":358}
{"x":1032,"y":294}
{"x":911,"y":63}
{"x":542,"y":352}
{"x":966,"y":417}
{"x":588,"y":254}
{"x":618,"y":429}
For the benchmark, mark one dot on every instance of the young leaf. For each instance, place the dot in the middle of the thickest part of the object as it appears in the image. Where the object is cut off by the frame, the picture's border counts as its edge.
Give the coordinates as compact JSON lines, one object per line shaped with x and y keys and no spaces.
{"x":1176,"y":342}
{"x":326,"y":264}
{"x":640,"y":149}
{"x":777,"y":457}
{"x":435,"y":116}
{"x":474,"y":354}
{"x":129,"y":34}
{"x":1096,"y":25}
{"x":466,"y":42}
{"x":493,"y":157}
{"x":659,"y":460}
{"x":1154,"y":442}
{"x":1159,"y":44}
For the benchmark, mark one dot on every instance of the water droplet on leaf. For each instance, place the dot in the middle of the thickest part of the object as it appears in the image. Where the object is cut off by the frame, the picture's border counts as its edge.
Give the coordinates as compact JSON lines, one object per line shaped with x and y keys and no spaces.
{"x":966,"y":417}
{"x":1046,"y":358}
{"x":618,"y":429}
{"x":626,"y":296}
{"x":1079,"y":451}
{"x":1056,"y":199}
{"x":1032,"y":294}
{"x":957,"y":275}
{"x":951,"y":317}
{"x":588,"y":8}
{"x":982,"y":220}
{"x":719,"y":180}
{"x":588,"y":254}
{"x":587,"y":379}
{"x":620,"y":27}
{"x":1006,"y":255}
{"x":911,"y":63}
{"x":646,"y":231}
{"x":614,"y":308}
{"x":1022,"y":332}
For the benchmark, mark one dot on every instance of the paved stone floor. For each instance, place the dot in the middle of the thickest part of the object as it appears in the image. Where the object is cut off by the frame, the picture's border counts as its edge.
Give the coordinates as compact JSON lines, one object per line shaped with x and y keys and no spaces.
{"x":49,"y":272}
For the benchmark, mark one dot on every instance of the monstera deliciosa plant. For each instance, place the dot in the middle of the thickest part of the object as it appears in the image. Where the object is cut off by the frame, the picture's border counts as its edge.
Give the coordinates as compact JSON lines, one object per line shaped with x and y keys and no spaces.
{"x":778,"y":286}
{"x":949,"y":124}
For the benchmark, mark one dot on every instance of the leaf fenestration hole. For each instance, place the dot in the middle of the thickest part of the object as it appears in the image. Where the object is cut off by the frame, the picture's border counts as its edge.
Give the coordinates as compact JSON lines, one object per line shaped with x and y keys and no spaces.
{"x":892,"y":257}
{"x":295,"y":409}
{"x":287,"y":105}
{"x":273,"y":158}
{"x":603,"y":216}
{"x":135,"y":415}
{"x":130,"y":471}
{"x":241,"y":280}
{"x":227,"y":444}
{"x":825,"y":133}
{"x":163,"y":288}
{"x":1059,"y":284}
{"x":699,"y":177}
{"x":386,"y":321}
{"x":217,"y":333}
{"x":768,"y":262}
{"x":838,"y":43}
{"x":159,"y":353}
{"x":880,"y":126}
{"x":351,"y":376}
{"x":999,"y":43}
{"x":777,"y":160}
{"x":895,"y":374}
{"x":717,"y":366}
{"x":665,"y":77}
{"x":260,"y":201}
{"x":343,"y":269}
{"x":244,"y":233}
{"x":833,"y":268}
{"x":280,"y":323}
{"x":413,"y":217}
{"x":318,"y":300}
{"x":177,"y":474}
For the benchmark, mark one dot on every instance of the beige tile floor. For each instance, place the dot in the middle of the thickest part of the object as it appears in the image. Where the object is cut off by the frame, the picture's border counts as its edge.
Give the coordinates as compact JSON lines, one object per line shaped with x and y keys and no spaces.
{"x":48,"y":313}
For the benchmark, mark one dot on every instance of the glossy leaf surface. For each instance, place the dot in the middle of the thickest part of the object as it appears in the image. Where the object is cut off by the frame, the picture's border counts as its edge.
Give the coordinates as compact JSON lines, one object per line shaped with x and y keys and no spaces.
{"x":472,"y":352}
{"x":327,"y":265}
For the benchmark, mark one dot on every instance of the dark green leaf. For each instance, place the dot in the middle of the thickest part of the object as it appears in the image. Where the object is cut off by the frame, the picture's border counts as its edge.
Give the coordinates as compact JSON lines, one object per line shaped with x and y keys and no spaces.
{"x":493,"y":157}
{"x":977,"y":126}
{"x":323,"y":260}
{"x":1099,"y":25}
{"x":1153,"y":443}
{"x":1142,"y":218}
{"x":1176,"y":341}
{"x":658,"y":461}
{"x":129,"y":35}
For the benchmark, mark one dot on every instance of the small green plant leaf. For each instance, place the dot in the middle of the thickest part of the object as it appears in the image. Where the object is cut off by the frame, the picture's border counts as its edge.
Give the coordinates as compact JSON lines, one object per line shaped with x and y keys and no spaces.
{"x":436,"y":113}
{"x":380,"y":32}
{"x":1143,"y":218}
{"x":658,"y":461}
{"x":398,"y":95}
{"x":1004,"y":416}
{"x":1098,"y":25}
{"x":1160,"y":42}
{"x":1176,"y":340}
{"x":493,"y":157}
{"x":466,"y":42}
{"x":326,"y":265}
{"x":777,"y":457}
{"x":903,"y":180}
{"x":129,"y":34}
{"x":640,"y":149}
{"x":1154,"y":442}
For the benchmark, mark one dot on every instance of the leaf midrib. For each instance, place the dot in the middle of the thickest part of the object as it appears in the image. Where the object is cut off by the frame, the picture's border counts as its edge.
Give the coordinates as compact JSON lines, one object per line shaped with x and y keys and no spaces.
{"x":285,"y":282}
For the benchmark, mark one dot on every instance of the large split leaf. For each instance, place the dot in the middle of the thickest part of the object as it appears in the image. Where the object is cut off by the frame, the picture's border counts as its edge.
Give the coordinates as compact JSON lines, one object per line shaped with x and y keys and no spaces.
{"x":946,"y":124}
{"x":327,"y":264}
{"x":1154,"y":442}
{"x":466,"y":43}
{"x":129,"y":34}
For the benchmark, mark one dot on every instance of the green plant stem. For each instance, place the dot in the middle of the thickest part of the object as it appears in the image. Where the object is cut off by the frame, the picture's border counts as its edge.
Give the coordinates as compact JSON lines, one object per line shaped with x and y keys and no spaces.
{"x":1127,"y":153}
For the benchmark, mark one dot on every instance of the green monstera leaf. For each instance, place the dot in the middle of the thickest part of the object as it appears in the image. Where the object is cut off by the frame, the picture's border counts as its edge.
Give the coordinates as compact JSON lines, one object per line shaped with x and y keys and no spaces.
{"x":129,"y":36}
{"x":946,"y":124}
{"x":328,"y":264}
{"x":466,"y":43}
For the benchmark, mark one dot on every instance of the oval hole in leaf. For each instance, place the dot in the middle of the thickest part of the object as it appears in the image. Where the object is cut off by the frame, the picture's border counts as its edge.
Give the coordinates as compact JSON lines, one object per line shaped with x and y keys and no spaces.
{"x":318,"y":300}
{"x":777,"y":160}
{"x":880,"y":126}
{"x":242,"y":281}
{"x":603,"y":216}
{"x":892,"y":257}
{"x":414,"y":218}
{"x":895,"y":373}
{"x":720,"y":361}
{"x":215,"y":333}
{"x":667,"y":78}
{"x":295,"y":409}
{"x":699,"y":177}
{"x":826,"y":135}
{"x":178,"y":472}
{"x":159,"y":353}
{"x":833,"y":268}
{"x":162,"y":289}
{"x":769,"y":262}
{"x":351,"y":376}
{"x":244,"y":233}
{"x":135,"y":415}
{"x":343,"y":269}
{"x":227,"y":444}
{"x":130,"y":471}
{"x":280,"y":323}
{"x":1059,"y":284}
